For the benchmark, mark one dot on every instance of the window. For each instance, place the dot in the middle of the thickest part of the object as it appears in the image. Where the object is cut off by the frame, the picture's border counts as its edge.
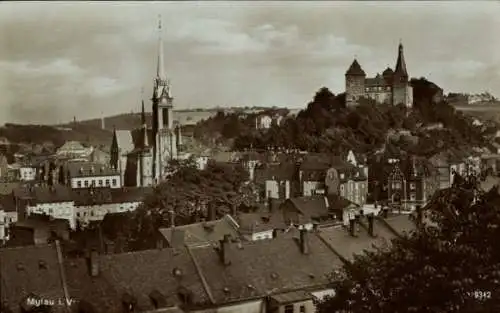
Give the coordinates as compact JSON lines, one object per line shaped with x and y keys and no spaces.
{"x":302,"y":309}
{"x":86,"y":183}
{"x":413,"y":186}
{"x":107,"y":182}
{"x":79,"y":183}
{"x":289,"y":308}
{"x":114,"y":182}
{"x":413,"y":197}
{"x":100,"y":182}
{"x":92,"y":213}
{"x":78,"y":214}
{"x":93,"y":182}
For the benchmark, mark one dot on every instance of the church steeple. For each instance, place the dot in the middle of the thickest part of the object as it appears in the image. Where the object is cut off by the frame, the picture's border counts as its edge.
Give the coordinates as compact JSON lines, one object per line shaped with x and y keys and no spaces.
{"x":160,"y":66}
{"x":400,"y":69}
{"x":144,"y":126}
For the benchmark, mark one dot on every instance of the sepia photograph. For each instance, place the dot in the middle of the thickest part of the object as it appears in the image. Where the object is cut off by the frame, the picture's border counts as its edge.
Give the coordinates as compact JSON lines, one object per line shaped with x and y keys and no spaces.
{"x":249,"y":157}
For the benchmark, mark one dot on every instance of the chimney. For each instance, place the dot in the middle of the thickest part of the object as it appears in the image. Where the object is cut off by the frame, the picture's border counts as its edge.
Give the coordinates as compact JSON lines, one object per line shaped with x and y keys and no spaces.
{"x":211,"y":212}
{"x":370,"y":225}
{"x":352,"y":227}
{"x":94,"y":263}
{"x":304,"y":241}
{"x":420,"y":216}
{"x":224,"y":250}
{"x":385,"y":212}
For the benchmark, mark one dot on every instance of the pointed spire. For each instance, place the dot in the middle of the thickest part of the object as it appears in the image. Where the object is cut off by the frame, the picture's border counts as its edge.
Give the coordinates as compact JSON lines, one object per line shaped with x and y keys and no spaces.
{"x":400,"y":69}
{"x":355,"y":69}
{"x":160,"y":71}
{"x":144,"y":124}
{"x":143,"y":115}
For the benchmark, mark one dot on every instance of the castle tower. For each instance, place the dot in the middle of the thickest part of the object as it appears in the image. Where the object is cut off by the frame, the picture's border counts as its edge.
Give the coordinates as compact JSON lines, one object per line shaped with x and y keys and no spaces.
{"x":402,"y":93}
{"x":354,"y":83}
{"x":165,"y":147}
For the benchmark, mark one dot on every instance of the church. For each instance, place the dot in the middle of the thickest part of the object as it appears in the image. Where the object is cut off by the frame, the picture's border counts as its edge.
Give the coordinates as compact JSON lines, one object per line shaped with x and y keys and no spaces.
{"x":392,"y":87}
{"x":142,"y":155}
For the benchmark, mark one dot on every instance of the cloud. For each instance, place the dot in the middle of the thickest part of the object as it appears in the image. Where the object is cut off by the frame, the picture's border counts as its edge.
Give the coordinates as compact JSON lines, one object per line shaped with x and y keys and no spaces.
{"x":77,"y":58}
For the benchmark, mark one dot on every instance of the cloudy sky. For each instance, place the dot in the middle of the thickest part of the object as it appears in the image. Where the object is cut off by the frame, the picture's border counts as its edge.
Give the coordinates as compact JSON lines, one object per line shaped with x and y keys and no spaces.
{"x":59,"y":60}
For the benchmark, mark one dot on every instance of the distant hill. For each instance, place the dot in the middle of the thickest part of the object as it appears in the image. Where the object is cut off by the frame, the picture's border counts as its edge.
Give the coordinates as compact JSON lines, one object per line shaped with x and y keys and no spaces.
{"x":90,"y":132}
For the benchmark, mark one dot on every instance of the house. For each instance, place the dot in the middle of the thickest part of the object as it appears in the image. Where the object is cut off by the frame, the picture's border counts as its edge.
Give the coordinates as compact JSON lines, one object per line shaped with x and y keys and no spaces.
{"x":276,"y":180}
{"x":100,"y":157}
{"x":454,"y":161}
{"x":280,"y":275}
{"x":4,"y":166}
{"x":412,"y":183}
{"x":326,"y":174}
{"x":27,"y":172}
{"x":73,"y":150}
{"x":92,"y":204}
{"x":87,"y":174}
{"x":37,"y":230}
{"x":261,"y":225}
{"x":200,"y":234}
{"x":263,"y":122}
{"x":317,"y":210}
{"x":54,"y":201}
{"x":8,"y":215}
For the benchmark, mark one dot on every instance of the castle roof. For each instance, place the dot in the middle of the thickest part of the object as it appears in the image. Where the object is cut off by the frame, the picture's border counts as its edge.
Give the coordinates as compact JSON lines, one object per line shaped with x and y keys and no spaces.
{"x":355,"y":69}
{"x":400,"y":69}
{"x":387,"y":72}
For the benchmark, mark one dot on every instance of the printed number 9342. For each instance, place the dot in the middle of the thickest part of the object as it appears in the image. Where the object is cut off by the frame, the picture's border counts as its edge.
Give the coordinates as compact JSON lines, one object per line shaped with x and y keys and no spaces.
{"x":480,"y":294}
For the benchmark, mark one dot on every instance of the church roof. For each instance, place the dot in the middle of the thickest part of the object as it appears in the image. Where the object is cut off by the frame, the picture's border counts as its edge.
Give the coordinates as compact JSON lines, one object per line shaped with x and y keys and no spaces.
{"x":124,"y":140}
{"x":355,"y":69}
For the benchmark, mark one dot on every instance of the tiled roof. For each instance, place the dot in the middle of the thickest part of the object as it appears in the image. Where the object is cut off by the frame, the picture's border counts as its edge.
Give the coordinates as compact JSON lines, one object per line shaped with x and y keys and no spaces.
{"x":70,"y":146}
{"x":339,"y":203}
{"x":347,"y":246}
{"x":140,"y":274}
{"x":7,"y":203}
{"x":201,"y":233}
{"x":31,"y":270}
{"x":138,"y":137}
{"x":130,"y":194}
{"x":89,"y":169}
{"x":125,"y":141}
{"x":51,"y":194}
{"x":312,"y":206}
{"x":259,"y":222}
{"x":264,"y":267}
{"x":355,"y":69}
{"x":322,"y":161}
{"x":377,"y":81}
{"x":292,"y":297}
{"x":281,"y":171}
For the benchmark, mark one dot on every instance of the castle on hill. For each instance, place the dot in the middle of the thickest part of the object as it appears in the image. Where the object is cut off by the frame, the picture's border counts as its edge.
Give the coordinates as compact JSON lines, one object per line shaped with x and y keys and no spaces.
{"x":392,"y":87}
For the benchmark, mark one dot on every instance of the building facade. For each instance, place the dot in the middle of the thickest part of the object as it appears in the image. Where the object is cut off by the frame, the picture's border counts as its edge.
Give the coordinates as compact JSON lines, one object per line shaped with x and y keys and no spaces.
{"x":392,"y":87}
{"x":142,"y":155}
{"x":411,"y":184}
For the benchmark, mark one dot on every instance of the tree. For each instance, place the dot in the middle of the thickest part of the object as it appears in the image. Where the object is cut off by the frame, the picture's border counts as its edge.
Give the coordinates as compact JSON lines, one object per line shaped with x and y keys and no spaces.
{"x":453,"y":266}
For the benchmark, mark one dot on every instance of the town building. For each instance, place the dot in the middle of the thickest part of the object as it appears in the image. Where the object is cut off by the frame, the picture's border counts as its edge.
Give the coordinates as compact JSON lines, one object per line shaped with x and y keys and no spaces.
{"x":142,"y":155}
{"x":87,"y":174}
{"x":285,"y":274}
{"x":37,"y":230}
{"x":54,"y":201}
{"x":205,"y":233}
{"x":93,"y":204}
{"x":74,"y":150}
{"x":8,"y":216}
{"x":412,"y":183}
{"x":391,"y":87}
